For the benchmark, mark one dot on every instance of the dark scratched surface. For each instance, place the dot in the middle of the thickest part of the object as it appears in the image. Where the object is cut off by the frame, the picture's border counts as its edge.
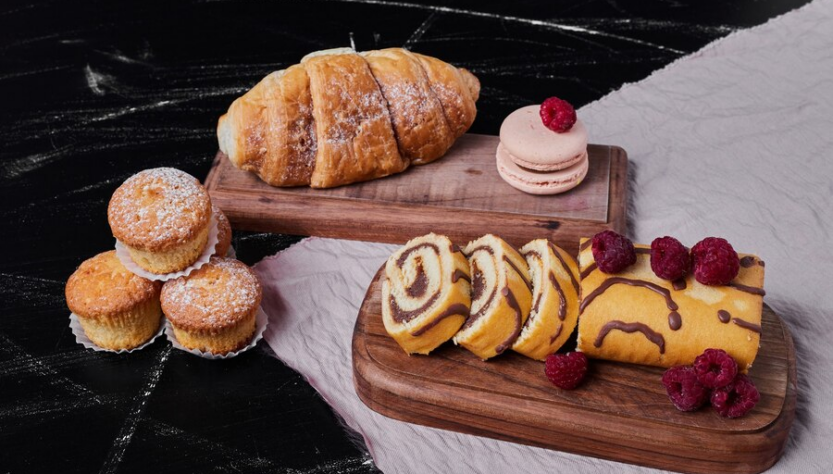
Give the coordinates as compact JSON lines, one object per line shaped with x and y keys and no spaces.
{"x":93,"y":91}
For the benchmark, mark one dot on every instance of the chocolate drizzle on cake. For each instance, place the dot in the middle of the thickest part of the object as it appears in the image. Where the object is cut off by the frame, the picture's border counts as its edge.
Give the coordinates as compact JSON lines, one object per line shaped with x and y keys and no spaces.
{"x":513,"y":303}
{"x":679,"y":284}
{"x":518,"y":271}
{"x":724,"y":316}
{"x":747,"y":261}
{"x":748,"y":289}
{"x":562,"y":304}
{"x":557,"y":333}
{"x":669,"y":302}
{"x":588,"y":270}
{"x":453,"y":310}
{"x":585,"y":244}
{"x":459,"y":275}
{"x":565,"y":267}
{"x":675,"y":322}
{"x":649,"y":333}
{"x":747,"y":325}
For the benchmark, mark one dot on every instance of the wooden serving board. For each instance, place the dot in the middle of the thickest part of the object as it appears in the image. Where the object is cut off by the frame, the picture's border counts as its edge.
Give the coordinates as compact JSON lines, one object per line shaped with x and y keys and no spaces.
{"x":460,"y":195}
{"x":621,"y":412}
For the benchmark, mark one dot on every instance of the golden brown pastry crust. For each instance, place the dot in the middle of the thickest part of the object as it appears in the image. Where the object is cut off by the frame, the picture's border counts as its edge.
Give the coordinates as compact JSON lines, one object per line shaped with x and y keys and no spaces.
{"x":219,"y":295}
{"x":422,"y":130}
{"x":352,"y":125}
{"x":102,"y":288}
{"x":159,"y":209}
{"x":329,"y":121}
{"x":457,"y":90}
{"x":657,"y":343}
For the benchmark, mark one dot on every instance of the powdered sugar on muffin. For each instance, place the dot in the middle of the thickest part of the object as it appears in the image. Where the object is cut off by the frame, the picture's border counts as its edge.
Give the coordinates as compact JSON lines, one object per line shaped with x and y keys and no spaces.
{"x":158,"y":209}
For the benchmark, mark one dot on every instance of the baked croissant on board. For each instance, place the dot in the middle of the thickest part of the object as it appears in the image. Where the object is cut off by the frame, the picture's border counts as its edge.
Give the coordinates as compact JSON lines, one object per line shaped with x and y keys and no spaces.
{"x":341,"y":117}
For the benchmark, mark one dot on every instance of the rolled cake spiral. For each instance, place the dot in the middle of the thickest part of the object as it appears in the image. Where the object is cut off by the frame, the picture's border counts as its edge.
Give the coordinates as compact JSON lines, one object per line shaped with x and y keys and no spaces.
{"x":555,"y":295}
{"x":426,"y":293}
{"x":501,"y":297}
{"x":635,"y":316}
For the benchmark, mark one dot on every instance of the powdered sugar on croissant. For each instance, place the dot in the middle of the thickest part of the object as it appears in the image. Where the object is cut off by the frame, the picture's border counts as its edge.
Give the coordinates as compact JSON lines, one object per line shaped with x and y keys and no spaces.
{"x":341,"y":117}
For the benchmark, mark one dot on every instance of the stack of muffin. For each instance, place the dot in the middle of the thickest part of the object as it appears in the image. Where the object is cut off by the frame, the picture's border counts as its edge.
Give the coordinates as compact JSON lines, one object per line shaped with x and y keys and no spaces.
{"x":164,"y":219}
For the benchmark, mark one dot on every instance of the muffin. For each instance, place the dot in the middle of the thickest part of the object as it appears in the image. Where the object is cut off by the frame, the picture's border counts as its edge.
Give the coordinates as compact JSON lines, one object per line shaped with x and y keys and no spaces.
{"x":223,"y":232}
{"x":117,"y":309}
{"x":214,"y":308}
{"x":162,"y":216}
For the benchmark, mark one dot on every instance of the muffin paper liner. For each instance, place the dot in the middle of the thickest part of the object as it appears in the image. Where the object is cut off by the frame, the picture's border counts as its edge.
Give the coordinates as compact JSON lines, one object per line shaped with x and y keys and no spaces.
{"x":210,"y":246}
{"x":261,"y":322}
{"x":81,"y":337}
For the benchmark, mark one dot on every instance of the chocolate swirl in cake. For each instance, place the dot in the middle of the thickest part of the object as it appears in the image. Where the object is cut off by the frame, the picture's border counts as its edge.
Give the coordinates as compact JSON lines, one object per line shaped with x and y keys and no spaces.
{"x":562,"y":303}
{"x":513,"y":303}
{"x":478,"y":285}
{"x":417,"y":288}
{"x":453,"y":310}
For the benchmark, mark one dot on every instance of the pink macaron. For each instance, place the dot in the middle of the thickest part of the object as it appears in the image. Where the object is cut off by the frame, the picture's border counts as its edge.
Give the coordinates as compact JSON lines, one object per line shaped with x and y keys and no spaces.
{"x":537,"y":160}
{"x":540,"y":182}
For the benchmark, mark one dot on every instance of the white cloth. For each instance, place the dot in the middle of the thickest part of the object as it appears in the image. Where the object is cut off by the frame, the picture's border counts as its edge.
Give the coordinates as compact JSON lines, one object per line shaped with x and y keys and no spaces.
{"x":732,"y":141}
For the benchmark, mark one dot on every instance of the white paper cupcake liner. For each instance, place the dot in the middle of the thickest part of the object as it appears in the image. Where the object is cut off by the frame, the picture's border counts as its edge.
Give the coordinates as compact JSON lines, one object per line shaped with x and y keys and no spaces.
{"x":81,"y":337}
{"x":210,"y":246}
{"x":261,"y":322}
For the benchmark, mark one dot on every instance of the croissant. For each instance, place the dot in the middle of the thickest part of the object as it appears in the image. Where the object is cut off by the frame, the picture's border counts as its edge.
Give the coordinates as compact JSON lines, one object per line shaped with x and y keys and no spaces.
{"x":341,"y":117}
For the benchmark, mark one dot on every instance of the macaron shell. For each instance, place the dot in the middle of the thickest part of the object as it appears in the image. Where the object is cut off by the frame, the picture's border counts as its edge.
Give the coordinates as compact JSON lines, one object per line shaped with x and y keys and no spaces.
{"x":525,"y":137}
{"x":533,"y":182}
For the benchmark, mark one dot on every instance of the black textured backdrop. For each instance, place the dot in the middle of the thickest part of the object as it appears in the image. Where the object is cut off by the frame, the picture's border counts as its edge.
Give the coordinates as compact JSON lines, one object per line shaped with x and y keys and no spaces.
{"x":94,"y":91}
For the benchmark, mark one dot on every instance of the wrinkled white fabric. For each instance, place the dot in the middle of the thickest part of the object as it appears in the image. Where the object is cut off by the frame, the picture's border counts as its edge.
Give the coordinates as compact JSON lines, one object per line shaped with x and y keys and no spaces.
{"x":735,"y":140}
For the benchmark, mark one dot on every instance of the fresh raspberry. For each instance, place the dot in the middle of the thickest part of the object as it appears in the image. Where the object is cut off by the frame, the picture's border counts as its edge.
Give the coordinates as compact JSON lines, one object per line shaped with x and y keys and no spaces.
{"x":715,"y":368}
{"x":669,"y":258}
{"x":558,"y":115}
{"x":684,"y":390}
{"x":613,"y":252}
{"x":715,"y":261}
{"x":566,"y":370}
{"x":737,"y":398}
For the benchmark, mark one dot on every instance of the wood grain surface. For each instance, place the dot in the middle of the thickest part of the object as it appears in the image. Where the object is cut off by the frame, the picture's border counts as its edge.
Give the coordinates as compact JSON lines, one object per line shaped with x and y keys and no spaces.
{"x":461,"y":195}
{"x":621,"y":412}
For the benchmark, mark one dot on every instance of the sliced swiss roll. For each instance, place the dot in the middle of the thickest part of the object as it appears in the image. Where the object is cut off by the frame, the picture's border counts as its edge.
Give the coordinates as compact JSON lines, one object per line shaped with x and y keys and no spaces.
{"x":555,"y":296}
{"x":426,"y":294}
{"x":501,"y":297}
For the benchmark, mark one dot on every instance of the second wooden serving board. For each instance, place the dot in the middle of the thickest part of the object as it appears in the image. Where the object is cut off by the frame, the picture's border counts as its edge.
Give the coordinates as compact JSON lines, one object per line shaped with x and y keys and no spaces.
{"x":460,"y":195}
{"x":621,"y":412}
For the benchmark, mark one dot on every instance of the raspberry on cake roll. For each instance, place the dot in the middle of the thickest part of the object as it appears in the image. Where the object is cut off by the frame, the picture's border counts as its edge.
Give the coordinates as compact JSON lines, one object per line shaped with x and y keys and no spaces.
{"x":426,"y":293}
{"x":632,"y":312}
{"x":162,"y":216}
{"x":117,"y":309}
{"x":214,"y":308}
{"x":501,"y":297}
{"x":555,"y":296}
